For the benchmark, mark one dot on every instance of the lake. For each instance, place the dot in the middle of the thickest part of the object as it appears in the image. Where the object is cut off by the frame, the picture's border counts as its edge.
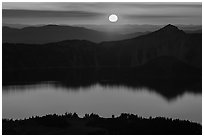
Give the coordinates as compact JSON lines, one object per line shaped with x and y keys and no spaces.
{"x":23,"y":101}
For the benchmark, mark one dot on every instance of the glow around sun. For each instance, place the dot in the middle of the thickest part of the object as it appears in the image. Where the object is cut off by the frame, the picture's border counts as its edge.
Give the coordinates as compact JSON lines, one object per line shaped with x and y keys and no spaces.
{"x":113,"y":18}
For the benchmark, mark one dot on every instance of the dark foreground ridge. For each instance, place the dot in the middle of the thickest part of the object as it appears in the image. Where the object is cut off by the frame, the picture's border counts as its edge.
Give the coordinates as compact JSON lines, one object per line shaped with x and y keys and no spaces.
{"x":71,"y":124}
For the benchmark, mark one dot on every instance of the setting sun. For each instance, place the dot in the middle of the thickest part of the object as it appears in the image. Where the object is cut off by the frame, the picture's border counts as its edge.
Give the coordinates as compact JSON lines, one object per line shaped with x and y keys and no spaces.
{"x":113,"y":18}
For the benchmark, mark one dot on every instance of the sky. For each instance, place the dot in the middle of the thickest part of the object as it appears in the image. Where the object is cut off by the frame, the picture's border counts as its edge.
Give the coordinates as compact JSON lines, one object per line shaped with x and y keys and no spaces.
{"x":33,"y":13}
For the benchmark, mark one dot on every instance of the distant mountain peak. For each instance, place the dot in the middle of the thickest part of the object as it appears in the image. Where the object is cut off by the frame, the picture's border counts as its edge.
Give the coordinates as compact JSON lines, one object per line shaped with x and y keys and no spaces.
{"x":170,"y":29}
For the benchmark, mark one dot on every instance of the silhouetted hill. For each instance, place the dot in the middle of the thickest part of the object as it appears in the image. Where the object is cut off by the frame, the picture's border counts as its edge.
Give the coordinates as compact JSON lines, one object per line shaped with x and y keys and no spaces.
{"x":125,"y":124}
{"x":168,"y":41}
{"x":55,"y":33}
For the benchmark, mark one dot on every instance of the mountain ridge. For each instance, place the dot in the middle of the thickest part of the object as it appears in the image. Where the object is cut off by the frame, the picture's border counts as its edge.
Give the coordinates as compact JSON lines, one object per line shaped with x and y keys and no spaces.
{"x":167,"y":41}
{"x":55,"y":33}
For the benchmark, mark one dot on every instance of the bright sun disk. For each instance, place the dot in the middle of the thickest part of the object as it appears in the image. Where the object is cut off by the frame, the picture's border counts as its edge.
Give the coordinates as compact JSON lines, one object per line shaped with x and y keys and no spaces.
{"x":113,"y":18}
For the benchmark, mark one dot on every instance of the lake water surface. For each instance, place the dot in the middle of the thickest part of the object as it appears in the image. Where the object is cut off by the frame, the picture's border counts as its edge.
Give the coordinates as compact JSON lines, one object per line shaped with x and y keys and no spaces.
{"x":25,"y":101}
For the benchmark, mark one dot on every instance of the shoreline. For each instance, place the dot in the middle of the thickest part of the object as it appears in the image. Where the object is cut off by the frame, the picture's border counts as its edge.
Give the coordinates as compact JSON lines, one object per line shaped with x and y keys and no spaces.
{"x":125,"y":124}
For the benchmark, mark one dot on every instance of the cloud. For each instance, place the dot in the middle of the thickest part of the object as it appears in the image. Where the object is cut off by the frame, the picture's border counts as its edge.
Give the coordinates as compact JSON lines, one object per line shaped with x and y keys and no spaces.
{"x":149,"y":16}
{"x":42,"y":13}
{"x":164,"y":4}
